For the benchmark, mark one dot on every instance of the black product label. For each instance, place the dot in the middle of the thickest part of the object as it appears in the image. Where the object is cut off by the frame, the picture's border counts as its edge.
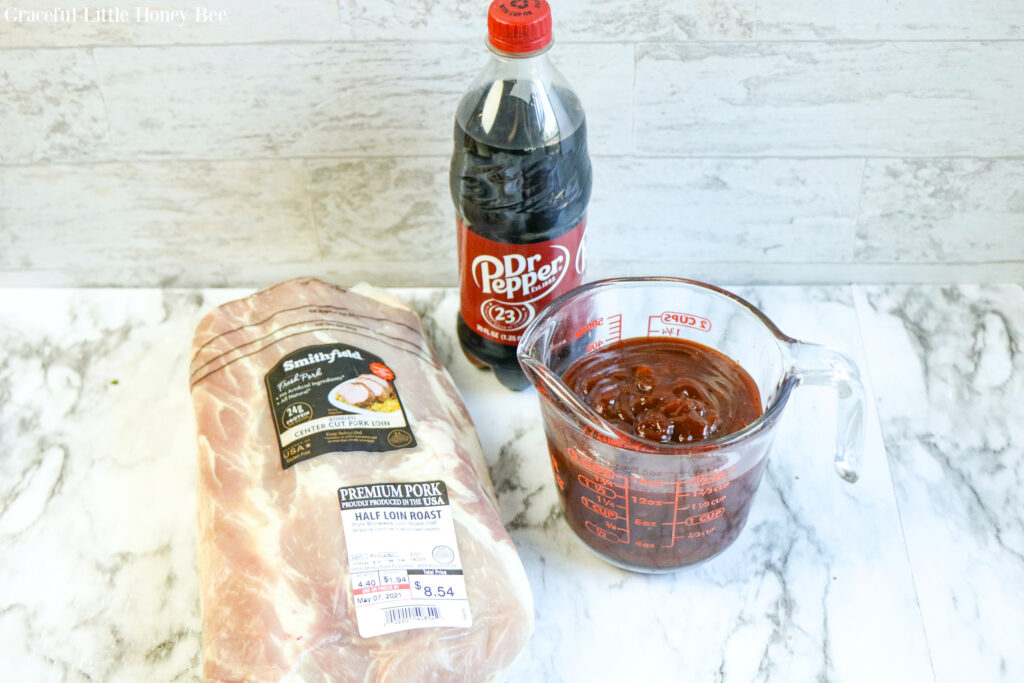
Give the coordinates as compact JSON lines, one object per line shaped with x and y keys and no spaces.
{"x":401,"y":495}
{"x":335,"y":397}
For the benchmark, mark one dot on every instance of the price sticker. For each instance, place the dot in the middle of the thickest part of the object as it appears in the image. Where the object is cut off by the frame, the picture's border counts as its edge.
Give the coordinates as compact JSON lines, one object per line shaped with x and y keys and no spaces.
{"x":404,"y":563}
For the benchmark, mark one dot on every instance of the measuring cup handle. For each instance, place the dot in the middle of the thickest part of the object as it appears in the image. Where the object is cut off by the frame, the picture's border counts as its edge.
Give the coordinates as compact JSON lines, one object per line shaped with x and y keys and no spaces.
{"x":817,"y":365}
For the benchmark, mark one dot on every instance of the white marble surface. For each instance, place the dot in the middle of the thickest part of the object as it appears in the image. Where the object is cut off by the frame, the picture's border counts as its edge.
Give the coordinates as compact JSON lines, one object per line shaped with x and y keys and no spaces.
{"x":949,"y":376}
{"x":913,"y":574}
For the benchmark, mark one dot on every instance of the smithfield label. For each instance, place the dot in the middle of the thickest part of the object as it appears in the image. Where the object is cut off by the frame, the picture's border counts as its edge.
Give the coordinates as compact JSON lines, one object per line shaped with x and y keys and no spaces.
{"x":504,"y":285}
{"x":335,"y":397}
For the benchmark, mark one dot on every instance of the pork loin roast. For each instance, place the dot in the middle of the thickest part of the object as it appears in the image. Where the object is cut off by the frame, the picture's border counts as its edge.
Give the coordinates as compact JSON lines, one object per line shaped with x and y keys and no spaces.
{"x":277,"y":590}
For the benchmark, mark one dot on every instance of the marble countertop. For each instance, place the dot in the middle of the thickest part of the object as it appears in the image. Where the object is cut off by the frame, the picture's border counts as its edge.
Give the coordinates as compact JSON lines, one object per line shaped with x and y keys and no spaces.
{"x":915,"y":573}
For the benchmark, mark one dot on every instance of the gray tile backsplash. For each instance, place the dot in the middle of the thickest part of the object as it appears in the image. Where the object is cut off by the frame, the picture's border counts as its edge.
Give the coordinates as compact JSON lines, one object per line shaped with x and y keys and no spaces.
{"x":386,"y":207}
{"x":575,"y":20}
{"x":51,"y":106}
{"x":732,"y":140}
{"x":317,"y":99}
{"x":830,"y":99}
{"x":887,"y":20}
{"x":115,"y":216}
{"x":720,"y":210}
{"x":942,"y":210}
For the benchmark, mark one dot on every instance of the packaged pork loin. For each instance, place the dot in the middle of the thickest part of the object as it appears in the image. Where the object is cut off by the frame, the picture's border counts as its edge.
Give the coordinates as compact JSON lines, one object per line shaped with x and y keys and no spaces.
{"x":348,"y":528}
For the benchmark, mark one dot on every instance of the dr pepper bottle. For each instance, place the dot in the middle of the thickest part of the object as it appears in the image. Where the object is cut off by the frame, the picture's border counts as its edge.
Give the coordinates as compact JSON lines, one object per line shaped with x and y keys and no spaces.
{"x":520,"y":180}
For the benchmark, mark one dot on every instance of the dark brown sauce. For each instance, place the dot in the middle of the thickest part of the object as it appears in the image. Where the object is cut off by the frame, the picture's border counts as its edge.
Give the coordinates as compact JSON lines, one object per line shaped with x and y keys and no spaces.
{"x":674,"y":392}
{"x":667,"y":390}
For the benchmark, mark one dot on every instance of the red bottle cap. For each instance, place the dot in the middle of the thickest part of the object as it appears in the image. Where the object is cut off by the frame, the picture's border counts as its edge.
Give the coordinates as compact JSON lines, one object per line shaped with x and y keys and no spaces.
{"x":519,"y":25}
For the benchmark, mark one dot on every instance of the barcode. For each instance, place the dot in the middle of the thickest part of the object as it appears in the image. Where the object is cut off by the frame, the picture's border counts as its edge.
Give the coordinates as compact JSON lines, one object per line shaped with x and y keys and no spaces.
{"x":397,"y":615}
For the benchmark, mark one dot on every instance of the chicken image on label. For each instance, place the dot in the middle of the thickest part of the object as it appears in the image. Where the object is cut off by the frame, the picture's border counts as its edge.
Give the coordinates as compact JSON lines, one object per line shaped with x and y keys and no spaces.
{"x":348,"y":529}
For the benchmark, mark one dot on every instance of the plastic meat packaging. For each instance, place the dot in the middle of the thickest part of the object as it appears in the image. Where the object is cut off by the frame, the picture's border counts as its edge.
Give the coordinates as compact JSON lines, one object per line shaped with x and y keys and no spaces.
{"x":348,"y":529}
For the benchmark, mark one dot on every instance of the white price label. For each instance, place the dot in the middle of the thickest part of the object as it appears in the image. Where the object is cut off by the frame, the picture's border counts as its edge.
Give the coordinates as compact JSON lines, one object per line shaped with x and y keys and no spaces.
{"x":403,"y":557}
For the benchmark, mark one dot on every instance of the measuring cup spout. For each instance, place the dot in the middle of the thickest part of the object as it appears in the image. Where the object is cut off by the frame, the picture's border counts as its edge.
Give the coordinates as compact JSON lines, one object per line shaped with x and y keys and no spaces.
{"x":534,"y":353}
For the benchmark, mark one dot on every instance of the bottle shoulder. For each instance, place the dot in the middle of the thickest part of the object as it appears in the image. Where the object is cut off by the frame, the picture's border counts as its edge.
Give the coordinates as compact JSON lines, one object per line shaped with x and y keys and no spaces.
{"x":520,"y":103}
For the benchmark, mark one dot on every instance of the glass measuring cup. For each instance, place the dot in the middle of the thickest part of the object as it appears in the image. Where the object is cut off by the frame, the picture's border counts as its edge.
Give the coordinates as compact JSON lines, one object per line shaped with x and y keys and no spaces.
{"x":653,"y":507}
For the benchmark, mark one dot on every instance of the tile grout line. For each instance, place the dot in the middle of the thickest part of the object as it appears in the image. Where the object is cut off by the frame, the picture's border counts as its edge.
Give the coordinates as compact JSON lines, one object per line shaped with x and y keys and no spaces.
{"x":639,"y":40}
{"x":633,"y":101}
{"x":856,"y":219}
{"x":103,"y":97}
{"x":318,"y":237}
{"x":859,"y":302}
{"x":438,"y":155}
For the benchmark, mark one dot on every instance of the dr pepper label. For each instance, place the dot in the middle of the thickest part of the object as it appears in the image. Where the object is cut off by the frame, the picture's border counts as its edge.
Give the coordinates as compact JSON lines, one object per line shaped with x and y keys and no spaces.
{"x":503,"y":286}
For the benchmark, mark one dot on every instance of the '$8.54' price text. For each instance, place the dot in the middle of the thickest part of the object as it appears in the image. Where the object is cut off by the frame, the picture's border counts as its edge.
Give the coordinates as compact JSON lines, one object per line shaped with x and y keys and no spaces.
{"x":433,"y":591}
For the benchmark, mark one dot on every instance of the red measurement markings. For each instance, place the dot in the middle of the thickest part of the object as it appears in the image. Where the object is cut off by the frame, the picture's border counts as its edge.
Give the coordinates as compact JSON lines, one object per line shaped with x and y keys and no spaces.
{"x":704,"y":517}
{"x":613,"y":334}
{"x":675,"y":321}
{"x":625,"y":488}
{"x":628,"y":444}
{"x":697,"y":534}
{"x":605,"y":477}
{"x":558,"y":475}
{"x":592,"y":325}
{"x":640,"y":481}
{"x":595,"y":468}
{"x":700,"y":493}
{"x":644,"y":500}
{"x":614,"y":327}
{"x":599,"y":509}
{"x":699,"y":481}
{"x":602,"y":533}
{"x":599,"y":489}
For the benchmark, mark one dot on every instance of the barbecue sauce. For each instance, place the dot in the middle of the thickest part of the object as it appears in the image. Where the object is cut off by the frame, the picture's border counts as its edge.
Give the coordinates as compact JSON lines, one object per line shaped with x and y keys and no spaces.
{"x":672,"y":392}
{"x":666,"y":390}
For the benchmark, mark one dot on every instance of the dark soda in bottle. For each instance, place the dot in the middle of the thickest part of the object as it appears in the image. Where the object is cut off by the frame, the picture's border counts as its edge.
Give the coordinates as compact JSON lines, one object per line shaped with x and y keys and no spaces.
{"x":520,"y":180}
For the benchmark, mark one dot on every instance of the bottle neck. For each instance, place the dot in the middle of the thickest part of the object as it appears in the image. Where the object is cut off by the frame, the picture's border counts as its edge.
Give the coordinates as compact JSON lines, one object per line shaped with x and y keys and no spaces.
{"x":518,"y":55}
{"x":533,"y":66}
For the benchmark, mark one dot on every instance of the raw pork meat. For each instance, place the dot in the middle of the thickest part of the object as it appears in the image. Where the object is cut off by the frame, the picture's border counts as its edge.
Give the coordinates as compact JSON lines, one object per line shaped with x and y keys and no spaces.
{"x":277,"y":603}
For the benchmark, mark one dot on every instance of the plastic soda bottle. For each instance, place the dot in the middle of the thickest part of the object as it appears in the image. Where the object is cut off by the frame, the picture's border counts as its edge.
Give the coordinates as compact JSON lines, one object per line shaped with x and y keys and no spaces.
{"x":520,"y":180}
